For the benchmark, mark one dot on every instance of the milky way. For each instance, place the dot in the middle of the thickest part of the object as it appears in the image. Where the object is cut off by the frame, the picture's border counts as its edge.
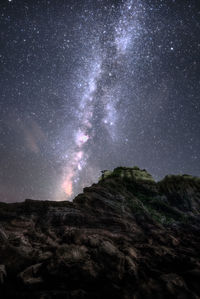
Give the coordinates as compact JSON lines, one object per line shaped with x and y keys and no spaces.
{"x":92,"y":85}
{"x":101,"y":89}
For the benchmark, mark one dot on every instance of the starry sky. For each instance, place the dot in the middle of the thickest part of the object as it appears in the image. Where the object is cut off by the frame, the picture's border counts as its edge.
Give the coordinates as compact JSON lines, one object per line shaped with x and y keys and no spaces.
{"x":89,"y":85}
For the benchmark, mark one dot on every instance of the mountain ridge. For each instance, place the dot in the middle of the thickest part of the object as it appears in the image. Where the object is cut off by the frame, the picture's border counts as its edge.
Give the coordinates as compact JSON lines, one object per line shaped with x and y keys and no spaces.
{"x":126,"y":236}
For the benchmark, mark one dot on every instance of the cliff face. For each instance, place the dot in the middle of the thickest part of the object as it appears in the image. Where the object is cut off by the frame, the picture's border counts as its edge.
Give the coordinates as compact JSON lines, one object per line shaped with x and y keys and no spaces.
{"x":125,"y":237}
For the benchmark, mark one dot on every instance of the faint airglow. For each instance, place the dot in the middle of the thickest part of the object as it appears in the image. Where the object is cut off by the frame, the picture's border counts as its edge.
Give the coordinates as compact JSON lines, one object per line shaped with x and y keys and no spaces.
{"x":67,"y":184}
{"x":70,"y":172}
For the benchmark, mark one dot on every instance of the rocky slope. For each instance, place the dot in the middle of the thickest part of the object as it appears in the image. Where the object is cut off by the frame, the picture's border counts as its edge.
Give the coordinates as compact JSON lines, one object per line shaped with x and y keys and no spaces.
{"x":125,"y":237}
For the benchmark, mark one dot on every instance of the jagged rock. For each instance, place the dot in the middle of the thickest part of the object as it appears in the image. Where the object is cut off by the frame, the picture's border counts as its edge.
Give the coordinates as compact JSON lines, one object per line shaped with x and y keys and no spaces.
{"x":30,"y":275}
{"x":124,"y":237}
{"x":3,"y":273}
{"x":3,"y":236}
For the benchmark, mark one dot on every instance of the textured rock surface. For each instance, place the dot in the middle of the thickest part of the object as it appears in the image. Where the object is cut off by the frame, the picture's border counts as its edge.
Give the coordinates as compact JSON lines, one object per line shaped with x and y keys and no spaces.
{"x":125,"y":237}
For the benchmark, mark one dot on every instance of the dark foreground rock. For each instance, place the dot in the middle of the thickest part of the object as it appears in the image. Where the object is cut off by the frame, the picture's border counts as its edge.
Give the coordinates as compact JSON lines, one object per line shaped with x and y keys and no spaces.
{"x":125,"y":237}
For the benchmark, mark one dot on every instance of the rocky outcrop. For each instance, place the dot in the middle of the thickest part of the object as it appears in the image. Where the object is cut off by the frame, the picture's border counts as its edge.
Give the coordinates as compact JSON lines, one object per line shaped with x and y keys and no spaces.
{"x":134,"y":173}
{"x":124,"y":237}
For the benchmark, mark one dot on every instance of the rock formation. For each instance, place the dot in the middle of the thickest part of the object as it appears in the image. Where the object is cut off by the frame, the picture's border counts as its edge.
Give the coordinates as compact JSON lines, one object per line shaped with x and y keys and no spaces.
{"x":124,"y":237}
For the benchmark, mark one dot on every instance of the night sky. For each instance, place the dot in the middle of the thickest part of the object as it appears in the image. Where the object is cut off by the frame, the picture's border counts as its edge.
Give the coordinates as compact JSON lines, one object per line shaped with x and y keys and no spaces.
{"x":93,"y":84}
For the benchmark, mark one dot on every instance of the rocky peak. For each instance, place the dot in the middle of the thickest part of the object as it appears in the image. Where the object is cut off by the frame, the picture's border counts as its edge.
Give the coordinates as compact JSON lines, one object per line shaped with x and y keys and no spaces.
{"x":132,"y":173}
